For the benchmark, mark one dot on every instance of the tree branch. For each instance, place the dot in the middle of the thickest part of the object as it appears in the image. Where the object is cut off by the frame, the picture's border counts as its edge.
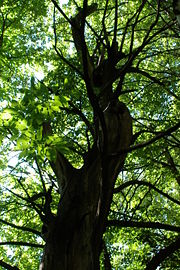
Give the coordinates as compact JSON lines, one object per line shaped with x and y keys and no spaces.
{"x":160,"y":135}
{"x":172,"y":165}
{"x":40,"y":174}
{"x":115,"y":20}
{"x":134,"y":25}
{"x":163,"y":254}
{"x":8,"y":266}
{"x":22,"y":228}
{"x":145,"y":42}
{"x":144,"y":73}
{"x":142,"y":224}
{"x":62,"y":12}
{"x":104,"y":26}
{"x":107,"y":261}
{"x":35,"y":207}
{"x":61,"y":167}
{"x":28,"y":200}
{"x":21,"y":243}
{"x":143,"y":183}
{"x":68,"y":62}
{"x":78,"y":29}
{"x":75,"y":110}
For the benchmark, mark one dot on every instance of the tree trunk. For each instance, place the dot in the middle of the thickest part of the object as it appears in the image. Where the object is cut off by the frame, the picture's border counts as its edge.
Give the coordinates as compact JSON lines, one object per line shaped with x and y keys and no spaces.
{"x":70,"y":238}
{"x":74,"y":236}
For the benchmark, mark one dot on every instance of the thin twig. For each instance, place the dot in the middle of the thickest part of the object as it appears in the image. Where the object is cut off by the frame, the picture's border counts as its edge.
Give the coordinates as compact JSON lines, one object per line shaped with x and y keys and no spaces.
{"x":142,"y":224}
{"x":159,"y":136}
{"x":143,"y":183}
{"x":22,"y":228}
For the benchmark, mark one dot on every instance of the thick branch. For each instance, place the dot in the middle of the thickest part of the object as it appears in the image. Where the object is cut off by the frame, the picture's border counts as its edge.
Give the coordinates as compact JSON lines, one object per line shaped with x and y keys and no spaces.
{"x":85,"y":58}
{"x":78,"y":29}
{"x":61,"y":167}
{"x":107,"y":261}
{"x":3,"y":28}
{"x":104,"y":26}
{"x":142,"y":224}
{"x":56,"y":49}
{"x":8,"y":266}
{"x":163,"y":254}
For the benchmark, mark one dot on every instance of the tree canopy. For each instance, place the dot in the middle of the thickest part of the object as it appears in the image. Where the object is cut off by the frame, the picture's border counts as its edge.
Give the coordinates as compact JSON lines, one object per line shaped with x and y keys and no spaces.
{"x":49,"y":109}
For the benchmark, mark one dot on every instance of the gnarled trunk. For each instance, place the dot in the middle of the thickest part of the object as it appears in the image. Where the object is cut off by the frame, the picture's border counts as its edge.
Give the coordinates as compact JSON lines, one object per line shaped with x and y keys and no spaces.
{"x":74,"y":236}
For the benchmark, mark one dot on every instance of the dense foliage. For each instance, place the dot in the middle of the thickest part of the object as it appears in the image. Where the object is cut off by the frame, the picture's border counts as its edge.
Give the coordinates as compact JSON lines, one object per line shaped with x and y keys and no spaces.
{"x":41,"y":82}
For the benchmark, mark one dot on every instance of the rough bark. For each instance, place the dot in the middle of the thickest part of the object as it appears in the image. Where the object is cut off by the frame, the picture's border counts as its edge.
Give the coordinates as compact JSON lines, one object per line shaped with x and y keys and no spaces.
{"x":74,"y":236}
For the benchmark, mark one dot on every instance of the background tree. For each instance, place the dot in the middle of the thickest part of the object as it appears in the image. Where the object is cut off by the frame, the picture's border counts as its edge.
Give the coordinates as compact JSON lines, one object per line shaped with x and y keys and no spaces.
{"x":89,"y":135}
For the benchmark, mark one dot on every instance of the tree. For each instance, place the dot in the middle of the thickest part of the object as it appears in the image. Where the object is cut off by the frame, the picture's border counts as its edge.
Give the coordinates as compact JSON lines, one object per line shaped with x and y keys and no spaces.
{"x":89,"y":133}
